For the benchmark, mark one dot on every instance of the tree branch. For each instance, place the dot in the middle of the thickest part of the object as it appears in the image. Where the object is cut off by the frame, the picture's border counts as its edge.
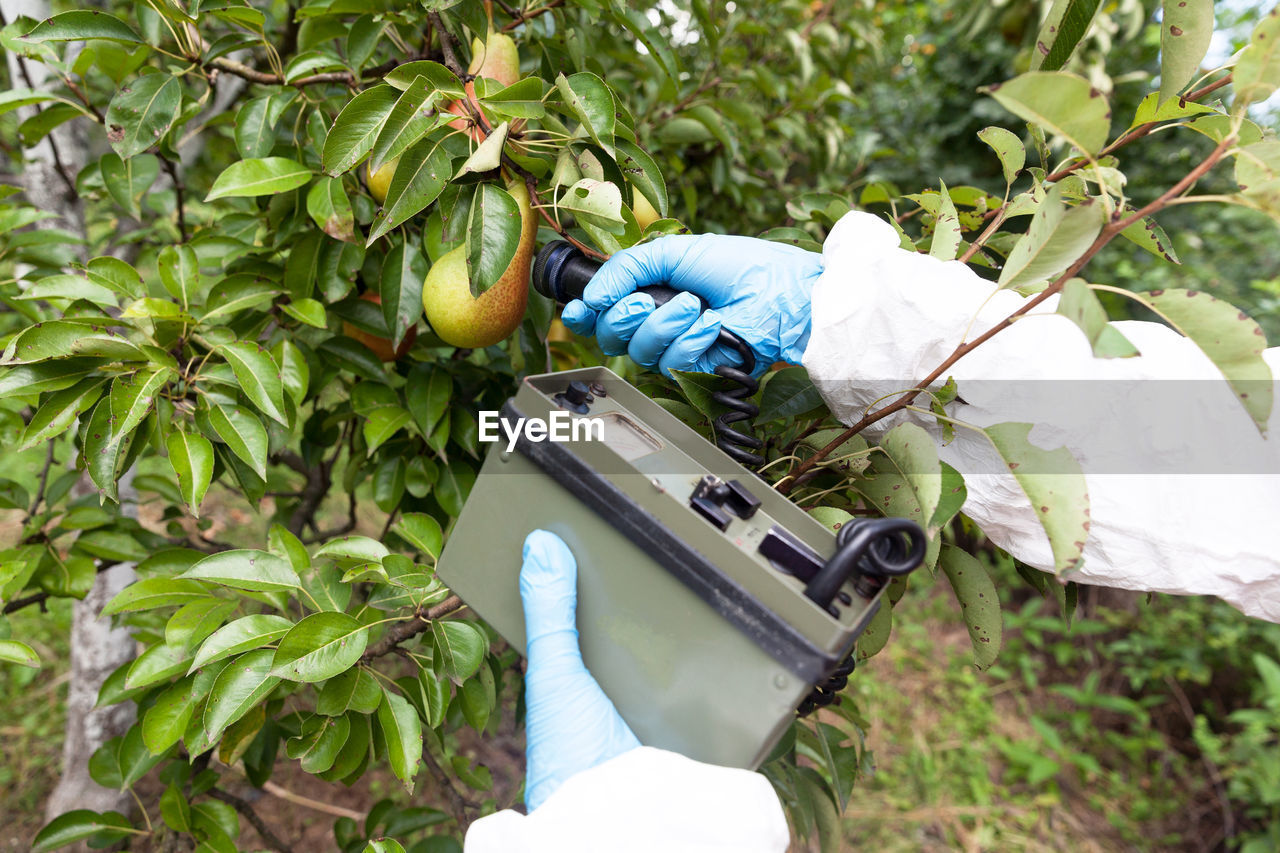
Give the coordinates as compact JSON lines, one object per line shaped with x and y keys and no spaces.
{"x":411,"y":628}
{"x":458,"y":804}
{"x":531,"y":14}
{"x":243,"y":807}
{"x":1109,"y":231}
{"x":172,"y":169}
{"x":447,"y":44}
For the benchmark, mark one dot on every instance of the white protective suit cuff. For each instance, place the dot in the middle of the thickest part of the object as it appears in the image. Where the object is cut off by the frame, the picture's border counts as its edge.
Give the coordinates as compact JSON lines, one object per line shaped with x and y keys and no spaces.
{"x":644,"y":800}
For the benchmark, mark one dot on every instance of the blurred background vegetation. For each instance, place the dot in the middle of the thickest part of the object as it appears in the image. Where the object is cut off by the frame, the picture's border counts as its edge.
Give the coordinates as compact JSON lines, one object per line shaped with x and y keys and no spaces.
{"x":1146,"y":723}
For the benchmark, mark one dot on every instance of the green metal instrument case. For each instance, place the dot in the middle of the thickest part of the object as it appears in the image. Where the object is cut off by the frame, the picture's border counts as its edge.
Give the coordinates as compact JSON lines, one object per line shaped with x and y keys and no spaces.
{"x":688,"y":615}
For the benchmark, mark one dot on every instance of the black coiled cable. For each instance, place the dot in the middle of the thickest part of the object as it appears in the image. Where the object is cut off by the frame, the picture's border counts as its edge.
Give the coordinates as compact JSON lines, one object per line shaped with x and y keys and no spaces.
{"x":733,"y":441}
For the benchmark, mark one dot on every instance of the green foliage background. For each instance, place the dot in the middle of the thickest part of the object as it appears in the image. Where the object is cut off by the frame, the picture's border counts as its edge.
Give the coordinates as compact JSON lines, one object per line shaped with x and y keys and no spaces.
{"x":197,"y":331}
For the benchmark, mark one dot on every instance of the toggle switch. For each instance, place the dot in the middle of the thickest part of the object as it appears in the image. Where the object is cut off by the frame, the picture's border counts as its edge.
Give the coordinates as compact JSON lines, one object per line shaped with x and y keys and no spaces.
{"x":714,"y":499}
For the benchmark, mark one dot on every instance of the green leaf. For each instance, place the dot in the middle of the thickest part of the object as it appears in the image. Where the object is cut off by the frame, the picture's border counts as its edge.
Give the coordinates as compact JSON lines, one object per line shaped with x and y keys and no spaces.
{"x":421,"y":531}
{"x":82,"y":25}
{"x":196,"y":620}
{"x":354,"y":548}
{"x":488,"y":154}
{"x":979,"y":603}
{"x":1232,"y":340}
{"x":1185,"y":33}
{"x":908,"y":482}
{"x":308,"y":311}
{"x":158,"y":663}
{"x":414,"y":115}
{"x":63,"y":339}
{"x":1148,"y":234}
{"x":1081,"y":305}
{"x":25,"y":380}
{"x":179,"y":272}
{"x":256,"y":571}
{"x":1055,"y":485}
{"x":459,"y":648}
{"x":597,"y":203}
{"x":242,"y":684}
{"x":330,"y":209}
{"x":1061,"y":103}
{"x":643,"y":173}
{"x":655,"y":42}
{"x":321,"y":646}
{"x":456,"y":480}
{"x":381,"y":424}
{"x":78,"y":825}
{"x":259,"y":376}
{"x":259,"y":176}
{"x":427,"y":395}
{"x":493,"y":235}
{"x":400,"y":288}
{"x":1257,"y":72}
{"x":167,"y":719}
{"x":402,"y":731}
{"x":150,"y":593}
{"x":1057,"y":237}
{"x":876,"y":634}
{"x":522,"y":99}
{"x":141,"y":113}
{"x":588,"y":98}
{"x":383,"y":845}
{"x":946,"y":234}
{"x":127,"y":180}
{"x":321,"y":740}
{"x":255,"y":132}
{"x":789,"y":392}
{"x":440,"y":77}
{"x":241,"y":431}
{"x":353,"y":690}
{"x":60,"y":410}
{"x":1008,"y":147}
{"x":1064,"y":28}
{"x":420,"y":176}
{"x":12,"y":651}
{"x":191,"y":456}
{"x":356,"y":128}
{"x":133,"y":398}
{"x":242,"y":635}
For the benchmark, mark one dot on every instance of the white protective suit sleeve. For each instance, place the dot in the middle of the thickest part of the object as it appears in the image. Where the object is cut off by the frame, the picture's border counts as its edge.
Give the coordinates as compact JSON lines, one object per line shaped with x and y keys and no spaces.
{"x":642,"y":801}
{"x":1184,"y":490}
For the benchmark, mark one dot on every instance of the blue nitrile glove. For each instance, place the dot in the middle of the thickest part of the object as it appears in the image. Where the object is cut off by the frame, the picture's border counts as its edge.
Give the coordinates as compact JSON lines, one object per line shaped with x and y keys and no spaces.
{"x":757,"y":289}
{"x":570,"y":725}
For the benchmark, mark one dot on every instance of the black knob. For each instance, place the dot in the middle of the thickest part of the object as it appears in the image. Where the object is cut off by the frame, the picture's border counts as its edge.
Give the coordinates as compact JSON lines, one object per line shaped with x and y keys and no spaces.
{"x":576,"y":398}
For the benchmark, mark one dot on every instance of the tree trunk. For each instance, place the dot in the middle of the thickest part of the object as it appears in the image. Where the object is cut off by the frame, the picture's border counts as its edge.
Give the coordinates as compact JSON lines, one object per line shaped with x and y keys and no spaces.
{"x":96,"y":648}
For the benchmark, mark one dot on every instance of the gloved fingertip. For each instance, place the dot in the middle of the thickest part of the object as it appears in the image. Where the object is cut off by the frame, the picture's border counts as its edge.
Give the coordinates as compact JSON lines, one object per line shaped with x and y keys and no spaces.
{"x":687,"y":351}
{"x":578,"y":318}
{"x":546,"y":548}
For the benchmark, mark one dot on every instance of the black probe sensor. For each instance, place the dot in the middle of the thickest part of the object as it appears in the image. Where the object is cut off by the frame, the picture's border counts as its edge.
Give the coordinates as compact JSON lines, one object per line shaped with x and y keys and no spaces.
{"x":561,"y":272}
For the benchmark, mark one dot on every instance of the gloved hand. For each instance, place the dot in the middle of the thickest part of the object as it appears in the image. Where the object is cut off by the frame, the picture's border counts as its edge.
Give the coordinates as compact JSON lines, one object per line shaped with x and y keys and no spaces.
{"x":757,"y":289}
{"x":570,"y":724}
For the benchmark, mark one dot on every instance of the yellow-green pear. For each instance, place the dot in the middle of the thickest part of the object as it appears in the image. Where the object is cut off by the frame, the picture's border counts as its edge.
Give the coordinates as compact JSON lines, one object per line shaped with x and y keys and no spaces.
{"x":379,"y":180}
{"x":646,"y":213}
{"x":472,"y":322}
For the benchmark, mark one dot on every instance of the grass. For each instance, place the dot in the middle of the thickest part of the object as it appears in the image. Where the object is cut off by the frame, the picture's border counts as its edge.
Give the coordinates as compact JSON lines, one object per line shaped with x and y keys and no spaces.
{"x":34,"y":714}
{"x":996,"y":761}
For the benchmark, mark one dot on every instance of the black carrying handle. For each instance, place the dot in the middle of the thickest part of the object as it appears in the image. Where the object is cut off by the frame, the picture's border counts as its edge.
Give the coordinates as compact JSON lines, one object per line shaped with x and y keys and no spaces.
{"x":561,"y":272}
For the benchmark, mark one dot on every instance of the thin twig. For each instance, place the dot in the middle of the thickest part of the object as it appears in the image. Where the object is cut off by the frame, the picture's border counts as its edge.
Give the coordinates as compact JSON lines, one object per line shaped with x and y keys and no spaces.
{"x":1215,"y":774}
{"x":172,"y":169}
{"x":411,"y":628}
{"x":457,"y":802}
{"x":1108,"y":232}
{"x":53,"y":145}
{"x":531,"y":14}
{"x":243,"y":807}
